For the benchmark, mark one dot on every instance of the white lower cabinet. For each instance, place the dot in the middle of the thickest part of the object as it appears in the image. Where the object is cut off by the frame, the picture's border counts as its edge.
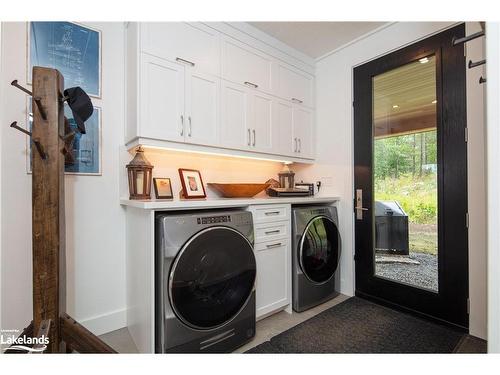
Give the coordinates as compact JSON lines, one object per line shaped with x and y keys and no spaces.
{"x":273,"y":278}
{"x":273,"y":251}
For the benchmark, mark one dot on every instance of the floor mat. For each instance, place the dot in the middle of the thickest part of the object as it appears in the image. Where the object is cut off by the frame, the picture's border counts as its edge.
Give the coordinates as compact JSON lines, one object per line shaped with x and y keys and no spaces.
{"x":360,"y":326}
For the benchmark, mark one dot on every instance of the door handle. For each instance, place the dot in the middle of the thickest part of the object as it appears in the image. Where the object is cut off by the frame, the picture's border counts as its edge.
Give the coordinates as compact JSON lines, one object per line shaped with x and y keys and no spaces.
{"x":190,"y":126}
{"x":359,"y":204}
{"x":297,"y":100}
{"x":272,"y":213}
{"x":295,"y":149}
{"x":182,"y":125}
{"x":254,"y":85}
{"x":300,"y":145}
{"x":185,"y":61}
{"x":249,"y":137}
{"x":253,"y":138}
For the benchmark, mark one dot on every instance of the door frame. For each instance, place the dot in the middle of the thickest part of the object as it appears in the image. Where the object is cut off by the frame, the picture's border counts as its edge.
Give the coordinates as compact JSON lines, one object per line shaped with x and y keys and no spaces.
{"x":451,"y":303}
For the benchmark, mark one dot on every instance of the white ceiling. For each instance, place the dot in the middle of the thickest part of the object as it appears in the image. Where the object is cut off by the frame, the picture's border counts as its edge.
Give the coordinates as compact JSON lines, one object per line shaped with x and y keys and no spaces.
{"x":316,"y":38}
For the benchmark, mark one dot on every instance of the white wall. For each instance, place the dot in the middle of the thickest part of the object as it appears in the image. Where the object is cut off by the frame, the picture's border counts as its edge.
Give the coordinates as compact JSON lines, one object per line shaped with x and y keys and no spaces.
{"x":95,"y":243}
{"x":493,"y":145}
{"x":334,"y":145}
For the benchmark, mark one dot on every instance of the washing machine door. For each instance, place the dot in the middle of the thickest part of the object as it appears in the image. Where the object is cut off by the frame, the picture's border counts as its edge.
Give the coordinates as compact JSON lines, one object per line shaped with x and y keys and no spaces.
{"x":319,"y":250}
{"x":212,"y":278}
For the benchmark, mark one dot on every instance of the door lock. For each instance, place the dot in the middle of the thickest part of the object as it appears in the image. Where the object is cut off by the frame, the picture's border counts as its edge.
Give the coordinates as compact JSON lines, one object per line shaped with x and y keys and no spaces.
{"x":359,"y":204}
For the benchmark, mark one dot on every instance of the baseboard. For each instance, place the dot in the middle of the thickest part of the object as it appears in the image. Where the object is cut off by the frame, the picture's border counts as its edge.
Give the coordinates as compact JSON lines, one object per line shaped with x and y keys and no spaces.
{"x":105,"y":323}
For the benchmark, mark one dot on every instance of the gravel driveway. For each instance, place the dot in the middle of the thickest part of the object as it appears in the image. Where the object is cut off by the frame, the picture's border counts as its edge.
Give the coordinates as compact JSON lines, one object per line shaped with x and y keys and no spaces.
{"x":424,"y":275}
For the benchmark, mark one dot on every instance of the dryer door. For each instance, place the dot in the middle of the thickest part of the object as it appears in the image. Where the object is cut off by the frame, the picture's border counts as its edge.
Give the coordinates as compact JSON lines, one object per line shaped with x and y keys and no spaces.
{"x":319,"y":250}
{"x":212,"y":278}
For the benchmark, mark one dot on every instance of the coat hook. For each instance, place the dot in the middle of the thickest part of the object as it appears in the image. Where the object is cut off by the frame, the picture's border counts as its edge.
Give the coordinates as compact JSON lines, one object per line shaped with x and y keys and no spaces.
{"x":37,"y":99}
{"x":36,"y":141}
{"x":15,"y":84}
{"x":15,"y":126}
{"x":482,"y":80}
{"x":39,"y":148}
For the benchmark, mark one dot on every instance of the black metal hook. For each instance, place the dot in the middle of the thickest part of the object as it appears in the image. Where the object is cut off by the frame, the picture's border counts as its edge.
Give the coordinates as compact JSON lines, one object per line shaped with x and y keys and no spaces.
{"x":482,"y":80}
{"x":37,"y":99}
{"x":35,"y":141}
{"x":466,"y":39}
{"x":477,"y":63}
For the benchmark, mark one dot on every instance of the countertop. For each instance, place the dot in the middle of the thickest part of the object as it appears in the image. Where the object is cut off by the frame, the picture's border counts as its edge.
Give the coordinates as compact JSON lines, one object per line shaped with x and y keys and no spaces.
{"x":190,"y":204}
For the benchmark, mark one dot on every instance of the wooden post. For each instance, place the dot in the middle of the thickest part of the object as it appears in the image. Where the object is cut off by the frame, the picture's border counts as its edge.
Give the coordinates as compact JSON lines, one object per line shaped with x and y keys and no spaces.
{"x":49,"y":265}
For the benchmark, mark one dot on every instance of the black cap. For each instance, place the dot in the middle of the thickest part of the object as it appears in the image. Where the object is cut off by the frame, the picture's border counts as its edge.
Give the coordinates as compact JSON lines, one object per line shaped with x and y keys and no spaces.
{"x":80,"y":105}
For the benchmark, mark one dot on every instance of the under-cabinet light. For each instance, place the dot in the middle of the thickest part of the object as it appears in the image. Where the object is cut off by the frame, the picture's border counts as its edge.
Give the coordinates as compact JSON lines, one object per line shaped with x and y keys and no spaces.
{"x":215,"y":154}
{"x":424,"y":60}
{"x":395,"y":106}
{"x":434,"y":101}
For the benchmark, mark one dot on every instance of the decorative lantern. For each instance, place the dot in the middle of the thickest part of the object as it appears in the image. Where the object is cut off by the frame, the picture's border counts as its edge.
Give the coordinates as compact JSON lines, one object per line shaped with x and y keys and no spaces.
{"x":287,"y":178}
{"x":139,"y":176}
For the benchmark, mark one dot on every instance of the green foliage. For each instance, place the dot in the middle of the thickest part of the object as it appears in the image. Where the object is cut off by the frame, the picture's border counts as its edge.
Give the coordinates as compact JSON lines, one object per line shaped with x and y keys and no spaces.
{"x":417,"y":195}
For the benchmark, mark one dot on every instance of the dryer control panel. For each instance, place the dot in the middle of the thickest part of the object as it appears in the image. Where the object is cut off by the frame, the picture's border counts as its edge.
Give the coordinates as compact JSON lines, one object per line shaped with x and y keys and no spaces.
{"x":214,"y":219}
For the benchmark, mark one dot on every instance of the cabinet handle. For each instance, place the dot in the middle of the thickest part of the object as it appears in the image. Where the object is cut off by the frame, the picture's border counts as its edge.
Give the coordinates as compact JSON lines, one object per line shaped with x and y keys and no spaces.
{"x":182,"y":125}
{"x":295,"y":149}
{"x":253,"y":144}
{"x":273,"y":245}
{"x":251,"y":84}
{"x":185,"y":61}
{"x":272,"y":231}
{"x":249,"y":137}
{"x":190,"y":127}
{"x":272,"y":213}
{"x":300,"y":145}
{"x":297,"y":100}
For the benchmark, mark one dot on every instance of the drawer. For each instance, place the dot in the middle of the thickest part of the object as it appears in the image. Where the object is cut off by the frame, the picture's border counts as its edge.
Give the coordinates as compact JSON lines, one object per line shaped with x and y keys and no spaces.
{"x":270,"y":232}
{"x":270,"y":213}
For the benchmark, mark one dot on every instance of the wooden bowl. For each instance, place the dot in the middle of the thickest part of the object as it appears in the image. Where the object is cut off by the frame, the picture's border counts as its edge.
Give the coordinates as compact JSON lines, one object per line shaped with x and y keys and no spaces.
{"x":238,"y":190}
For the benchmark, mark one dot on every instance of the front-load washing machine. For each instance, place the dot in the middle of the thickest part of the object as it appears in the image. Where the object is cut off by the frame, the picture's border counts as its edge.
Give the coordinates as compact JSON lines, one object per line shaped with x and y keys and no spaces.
{"x":205,"y":274}
{"x":315,"y":264}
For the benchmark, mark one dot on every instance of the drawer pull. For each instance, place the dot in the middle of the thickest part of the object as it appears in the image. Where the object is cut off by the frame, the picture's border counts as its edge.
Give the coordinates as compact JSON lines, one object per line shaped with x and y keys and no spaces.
{"x":184,"y":61}
{"x":251,"y":84}
{"x":297,"y":100}
{"x":271,"y":213}
{"x":272,"y":231}
{"x":273,"y":245}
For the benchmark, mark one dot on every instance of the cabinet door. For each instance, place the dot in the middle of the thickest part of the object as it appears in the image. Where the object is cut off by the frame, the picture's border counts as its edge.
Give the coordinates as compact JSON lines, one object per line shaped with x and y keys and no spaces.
{"x":161,"y":100}
{"x":273,"y":277}
{"x":202,"y":108}
{"x":303,"y":132}
{"x":183,"y":42}
{"x":246,"y":65}
{"x":283,"y":129}
{"x":235,"y":114}
{"x":294,"y":85}
{"x":262,"y":122}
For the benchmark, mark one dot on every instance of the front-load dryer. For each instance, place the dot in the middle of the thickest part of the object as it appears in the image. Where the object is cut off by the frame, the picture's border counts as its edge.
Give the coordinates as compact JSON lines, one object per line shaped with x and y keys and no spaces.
{"x":205,"y":275}
{"x":316,"y":256}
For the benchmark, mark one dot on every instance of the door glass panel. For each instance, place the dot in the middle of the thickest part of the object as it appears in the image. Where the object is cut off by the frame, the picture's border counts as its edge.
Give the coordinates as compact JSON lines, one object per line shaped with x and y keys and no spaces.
{"x":405,"y":167}
{"x":212,"y":278}
{"x":320,"y":250}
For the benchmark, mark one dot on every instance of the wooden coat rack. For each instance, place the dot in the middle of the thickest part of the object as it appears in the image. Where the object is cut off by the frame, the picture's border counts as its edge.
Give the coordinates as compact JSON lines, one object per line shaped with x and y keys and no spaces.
{"x":52,"y":138}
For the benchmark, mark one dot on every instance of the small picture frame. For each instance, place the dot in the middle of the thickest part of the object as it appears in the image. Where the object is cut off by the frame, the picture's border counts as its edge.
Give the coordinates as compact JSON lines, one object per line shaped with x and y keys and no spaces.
{"x":163,"y":188}
{"x":192,"y":184}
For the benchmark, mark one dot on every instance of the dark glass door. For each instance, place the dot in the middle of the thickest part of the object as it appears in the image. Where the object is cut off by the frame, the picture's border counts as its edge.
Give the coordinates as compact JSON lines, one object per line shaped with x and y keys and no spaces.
{"x":319,"y":250}
{"x":212,"y":277}
{"x":410,"y":159}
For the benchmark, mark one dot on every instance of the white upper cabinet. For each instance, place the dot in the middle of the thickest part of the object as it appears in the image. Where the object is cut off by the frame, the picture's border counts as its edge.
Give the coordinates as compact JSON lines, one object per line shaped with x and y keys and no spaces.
{"x":202,"y":108}
{"x":161,"y":100}
{"x":303,"y":132}
{"x":235,"y":116}
{"x":192,"y":44}
{"x":246,"y":65}
{"x":262,"y":122}
{"x":209,"y":87}
{"x":294,"y":85}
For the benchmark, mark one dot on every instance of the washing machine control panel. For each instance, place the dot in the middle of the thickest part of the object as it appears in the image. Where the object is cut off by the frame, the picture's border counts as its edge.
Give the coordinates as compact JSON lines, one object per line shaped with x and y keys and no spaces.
{"x":214,"y":219}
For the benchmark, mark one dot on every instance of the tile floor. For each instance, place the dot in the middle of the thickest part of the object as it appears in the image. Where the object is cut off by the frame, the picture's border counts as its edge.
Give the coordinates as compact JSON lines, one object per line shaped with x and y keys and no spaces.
{"x":122,"y":342}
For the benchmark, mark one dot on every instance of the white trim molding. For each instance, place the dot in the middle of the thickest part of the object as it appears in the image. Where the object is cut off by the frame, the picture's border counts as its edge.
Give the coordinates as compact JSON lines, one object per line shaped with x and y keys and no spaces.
{"x":105,"y":323}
